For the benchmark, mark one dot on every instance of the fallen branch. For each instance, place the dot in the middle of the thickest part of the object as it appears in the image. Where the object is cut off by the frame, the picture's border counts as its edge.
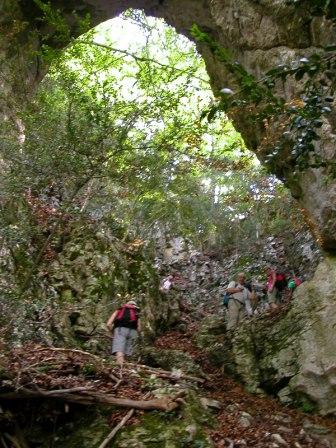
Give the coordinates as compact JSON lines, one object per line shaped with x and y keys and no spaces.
{"x":68,"y":391}
{"x":36,"y":364}
{"x":88,"y":397}
{"x":115,"y":387}
{"x":68,"y":350}
{"x":116,"y":429}
{"x":81,"y":352}
{"x":165,"y":373}
{"x":115,"y":379}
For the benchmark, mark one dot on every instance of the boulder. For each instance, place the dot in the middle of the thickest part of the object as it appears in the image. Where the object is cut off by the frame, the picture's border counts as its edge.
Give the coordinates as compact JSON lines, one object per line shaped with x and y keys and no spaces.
{"x":279,"y":440}
{"x":170,"y":360}
{"x":245,"y":419}
{"x":304,"y":357}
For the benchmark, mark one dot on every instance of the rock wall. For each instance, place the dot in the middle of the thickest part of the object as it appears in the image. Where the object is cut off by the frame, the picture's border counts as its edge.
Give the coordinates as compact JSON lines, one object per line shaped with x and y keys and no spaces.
{"x":291,"y":355}
{"x":201,"y":276}
{"x":297,"y":354}
{"x":76,"y":289}
{"x":260,"y":35}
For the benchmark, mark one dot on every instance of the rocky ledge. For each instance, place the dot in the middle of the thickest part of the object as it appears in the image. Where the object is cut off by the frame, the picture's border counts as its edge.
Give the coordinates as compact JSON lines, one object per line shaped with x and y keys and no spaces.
{"x":290,"y":354}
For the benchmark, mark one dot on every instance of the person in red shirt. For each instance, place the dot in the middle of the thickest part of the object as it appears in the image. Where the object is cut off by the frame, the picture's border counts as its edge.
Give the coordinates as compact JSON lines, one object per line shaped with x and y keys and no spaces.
{"x":125,"y":324}
{"x":272,"y":291}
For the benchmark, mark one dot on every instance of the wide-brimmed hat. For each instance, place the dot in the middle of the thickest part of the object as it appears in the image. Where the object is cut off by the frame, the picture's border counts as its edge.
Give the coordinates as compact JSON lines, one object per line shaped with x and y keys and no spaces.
{"x":132,"y":302}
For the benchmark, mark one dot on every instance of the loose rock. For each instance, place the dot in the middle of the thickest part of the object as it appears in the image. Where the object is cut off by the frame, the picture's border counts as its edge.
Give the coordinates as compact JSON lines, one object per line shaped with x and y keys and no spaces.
{"x":279,"y":440}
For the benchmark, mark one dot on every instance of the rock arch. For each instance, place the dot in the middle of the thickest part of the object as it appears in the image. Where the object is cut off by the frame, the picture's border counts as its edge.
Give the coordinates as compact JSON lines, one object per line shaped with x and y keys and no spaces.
{"x":260,"y":34}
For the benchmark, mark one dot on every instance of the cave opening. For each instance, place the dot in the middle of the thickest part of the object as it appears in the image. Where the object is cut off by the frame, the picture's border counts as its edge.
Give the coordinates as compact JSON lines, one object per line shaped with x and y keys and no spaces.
{"x":116,"y":143}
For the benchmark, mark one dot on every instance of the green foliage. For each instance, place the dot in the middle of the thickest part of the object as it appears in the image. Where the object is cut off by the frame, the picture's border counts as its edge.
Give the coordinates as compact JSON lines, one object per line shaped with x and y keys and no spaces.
{"x":107,"y":132}
{"x":56,"y":31}
{"x":89,"y":370}
{"x":306,"y":406}
{"x":113,"y":138}
{"x":54,"y":18}
{"x":305,"y":117}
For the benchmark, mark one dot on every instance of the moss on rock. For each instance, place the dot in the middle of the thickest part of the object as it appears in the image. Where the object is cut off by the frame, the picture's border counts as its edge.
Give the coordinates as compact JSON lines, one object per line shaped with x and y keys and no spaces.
{"x":170,"y":360}
{"x":180,"y":429}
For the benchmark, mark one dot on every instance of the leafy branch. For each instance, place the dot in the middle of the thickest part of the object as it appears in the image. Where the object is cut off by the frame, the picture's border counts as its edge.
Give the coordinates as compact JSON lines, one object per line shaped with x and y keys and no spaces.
{"x":143,"y":59}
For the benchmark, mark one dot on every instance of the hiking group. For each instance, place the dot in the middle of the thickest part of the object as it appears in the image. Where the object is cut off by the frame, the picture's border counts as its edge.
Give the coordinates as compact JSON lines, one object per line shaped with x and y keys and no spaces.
{"x":241,"y":299}
{"x":244,"y":299}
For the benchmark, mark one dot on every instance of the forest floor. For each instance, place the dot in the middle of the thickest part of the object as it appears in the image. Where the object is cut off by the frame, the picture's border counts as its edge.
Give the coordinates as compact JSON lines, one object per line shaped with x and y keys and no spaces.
{"x":75,"y":376}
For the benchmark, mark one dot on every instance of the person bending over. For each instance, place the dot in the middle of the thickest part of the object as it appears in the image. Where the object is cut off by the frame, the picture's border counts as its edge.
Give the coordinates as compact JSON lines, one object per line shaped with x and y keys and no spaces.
{"x":240,"y":301}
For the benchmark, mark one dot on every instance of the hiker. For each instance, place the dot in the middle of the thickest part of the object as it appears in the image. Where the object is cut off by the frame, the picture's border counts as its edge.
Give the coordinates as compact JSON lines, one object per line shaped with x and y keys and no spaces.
{"x":272,"y":292}
{"x":276,"y":283}
{"x":239,"y":302}
{"x":125,"y":324}
{"x":167,"y":283}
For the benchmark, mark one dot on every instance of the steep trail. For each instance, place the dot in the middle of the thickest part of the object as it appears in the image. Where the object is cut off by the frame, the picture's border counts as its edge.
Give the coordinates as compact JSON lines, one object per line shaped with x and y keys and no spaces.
{"x":77,"y":379}
{"x":245,"y":419}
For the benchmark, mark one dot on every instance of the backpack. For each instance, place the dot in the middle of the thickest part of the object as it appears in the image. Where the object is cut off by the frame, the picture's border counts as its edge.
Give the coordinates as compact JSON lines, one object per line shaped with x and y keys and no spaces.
{"x":297,"y":280}
{"x":127,"y":316}
{"x":294,"y":282}
{"x":280,"y":282}
{"x":248,"y":285}
{"x":291,"y":284}
{"x":226,"y":298}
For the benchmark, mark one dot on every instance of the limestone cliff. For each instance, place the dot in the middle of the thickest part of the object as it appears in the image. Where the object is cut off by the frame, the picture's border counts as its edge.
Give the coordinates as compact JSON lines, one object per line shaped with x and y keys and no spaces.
{"x":83,"y":277}
{"x":291,"y":355}
{"x":294,"y":357}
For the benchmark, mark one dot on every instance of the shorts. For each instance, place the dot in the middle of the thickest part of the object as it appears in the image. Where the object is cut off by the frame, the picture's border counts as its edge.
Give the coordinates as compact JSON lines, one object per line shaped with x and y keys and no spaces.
{"x":272,"y":296}
{"x":124,"y":340}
